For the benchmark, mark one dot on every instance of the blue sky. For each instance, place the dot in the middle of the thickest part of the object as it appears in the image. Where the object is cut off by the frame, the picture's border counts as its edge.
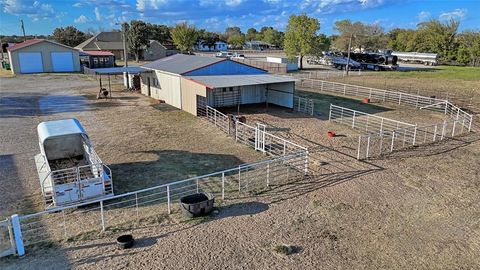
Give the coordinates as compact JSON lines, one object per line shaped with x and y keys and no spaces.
{"x":42,"y":16}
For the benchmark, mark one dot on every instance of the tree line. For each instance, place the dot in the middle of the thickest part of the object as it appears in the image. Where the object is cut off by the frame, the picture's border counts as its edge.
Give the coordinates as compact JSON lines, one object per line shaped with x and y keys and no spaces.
{"x":302,"y":37}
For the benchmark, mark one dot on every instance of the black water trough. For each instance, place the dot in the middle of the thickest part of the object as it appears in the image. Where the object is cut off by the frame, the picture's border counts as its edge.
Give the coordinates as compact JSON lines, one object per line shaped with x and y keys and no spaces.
{"x":125,"y":241}
{"x":198,"y":204}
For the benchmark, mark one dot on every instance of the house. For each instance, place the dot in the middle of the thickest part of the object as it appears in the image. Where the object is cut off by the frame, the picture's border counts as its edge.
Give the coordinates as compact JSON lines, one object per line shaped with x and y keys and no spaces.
{"x":257,"y":45}
{"x":218,"y":46}
{"x":189,"y":82}
{"x":97,"y":59}
{"x":155,"y":50}
{"x":42,"y":55}
{"x":113,"y":42}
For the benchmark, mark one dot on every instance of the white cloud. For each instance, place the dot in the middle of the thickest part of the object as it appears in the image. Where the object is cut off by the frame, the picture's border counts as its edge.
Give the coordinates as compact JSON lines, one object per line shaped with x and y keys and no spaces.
{"x":77,"y":5}
{"x":423,"y":15}
{"x":98,"y":15}
{"x":35,"y":10}
{"x":81,"y":19}
{"x":143,"y":5}
{"x":455,"y":14}
{"x":233,"y":3}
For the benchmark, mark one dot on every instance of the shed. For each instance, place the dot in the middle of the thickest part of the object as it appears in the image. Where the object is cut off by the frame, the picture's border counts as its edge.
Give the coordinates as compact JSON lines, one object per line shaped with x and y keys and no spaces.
{"x":189,"y":82}
{"x":97,"y":59}
{"x":41,"y":55}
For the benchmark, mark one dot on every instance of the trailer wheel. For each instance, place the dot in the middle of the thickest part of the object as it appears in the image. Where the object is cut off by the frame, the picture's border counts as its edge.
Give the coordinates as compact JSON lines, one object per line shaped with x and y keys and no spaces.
{"x":376,"y":68}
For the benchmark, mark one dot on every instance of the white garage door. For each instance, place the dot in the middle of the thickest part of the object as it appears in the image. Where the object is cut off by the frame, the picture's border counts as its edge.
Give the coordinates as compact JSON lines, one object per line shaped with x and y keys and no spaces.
{"x":30,"y":62}
{"x":62,"y":61}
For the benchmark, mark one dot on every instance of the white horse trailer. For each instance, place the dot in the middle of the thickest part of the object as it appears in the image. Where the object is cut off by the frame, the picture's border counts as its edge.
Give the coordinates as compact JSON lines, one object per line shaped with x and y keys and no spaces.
{"x":68,"y":168}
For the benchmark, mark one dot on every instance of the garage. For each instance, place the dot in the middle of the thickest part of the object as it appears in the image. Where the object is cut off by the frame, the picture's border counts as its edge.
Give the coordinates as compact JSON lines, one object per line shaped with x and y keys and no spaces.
{"x":42,"y":55}
{"x":62,"y":62}
{"x":30,"y":62}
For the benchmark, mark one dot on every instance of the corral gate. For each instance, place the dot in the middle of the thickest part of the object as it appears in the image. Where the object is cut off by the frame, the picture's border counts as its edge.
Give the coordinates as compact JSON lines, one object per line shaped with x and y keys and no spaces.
{"x":260,"y":137}
{"x":7,"y":244}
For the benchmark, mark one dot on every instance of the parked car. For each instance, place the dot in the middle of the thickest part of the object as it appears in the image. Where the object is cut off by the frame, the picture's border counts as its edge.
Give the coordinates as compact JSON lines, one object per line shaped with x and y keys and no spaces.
{"x":238,"y":56}
{"x":224,"y":55}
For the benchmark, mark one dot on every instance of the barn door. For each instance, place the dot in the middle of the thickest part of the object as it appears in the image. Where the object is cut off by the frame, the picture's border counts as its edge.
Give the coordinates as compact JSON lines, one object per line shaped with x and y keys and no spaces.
{"x":260,"y":137}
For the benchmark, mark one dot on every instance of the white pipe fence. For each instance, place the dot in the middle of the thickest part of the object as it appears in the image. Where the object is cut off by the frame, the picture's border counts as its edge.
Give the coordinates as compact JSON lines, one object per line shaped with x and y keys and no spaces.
{"x":386,"y":135}
{"x":152,"y":205}
{"x":375,"y":145}
{"x":366,"y":122}
{"x":323,"y":74}
{"x":303,"y":105}
{"x":400,"y":98}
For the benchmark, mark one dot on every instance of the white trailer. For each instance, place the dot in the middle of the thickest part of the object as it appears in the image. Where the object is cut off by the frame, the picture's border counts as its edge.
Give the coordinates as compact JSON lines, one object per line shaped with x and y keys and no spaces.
{"x":425,"y":58}
{"x":68,"y":168}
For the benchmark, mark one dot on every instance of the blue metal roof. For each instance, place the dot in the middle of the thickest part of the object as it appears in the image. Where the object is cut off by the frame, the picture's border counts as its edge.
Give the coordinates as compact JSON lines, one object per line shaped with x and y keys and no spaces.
{"x":182,"y":63}
{"x":56,"y":128}
{"x":119,"y":70}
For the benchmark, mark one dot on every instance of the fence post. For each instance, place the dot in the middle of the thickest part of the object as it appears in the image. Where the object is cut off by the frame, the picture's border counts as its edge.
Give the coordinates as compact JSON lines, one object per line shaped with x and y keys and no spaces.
{"x":344,"y":89}
{"x":136,"y":206}
{"x":414,"y":135}
{"x":306,"y":161}
{"x":17,"y":234}
{"x":284,"y":147}
{"x":64,"y":225}
{"x":168,"y":200}
{"x":435,"y":133}
{"x":368,"y":146}
{"x":400,"y":98}
{"x":239,"y":172}
{"x":393,"y":141}
{"x":353,"y":120}
{"x":330,"y":113}
{"x":215,"y":116}
{"x":197,"y":186}
{"x":370,"y":94}
{"x":470,"y":123}
{"x":321,"y":87}
{"x":443,"y":129}
{"x":102,"y":216}
{"x":223,"y":185}
{"x":381,"y":126}
{"x":359,"y":146}
{"x":453,"y":129}
{"x":268,"y":174}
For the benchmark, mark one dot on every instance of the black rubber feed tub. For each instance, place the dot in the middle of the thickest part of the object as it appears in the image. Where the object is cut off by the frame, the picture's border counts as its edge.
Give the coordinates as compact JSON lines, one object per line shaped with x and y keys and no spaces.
{"x":125,"y":241}
{"x":196,"y":205}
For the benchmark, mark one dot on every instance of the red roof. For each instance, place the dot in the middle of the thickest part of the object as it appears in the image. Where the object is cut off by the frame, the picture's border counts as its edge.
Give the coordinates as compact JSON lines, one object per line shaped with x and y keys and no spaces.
{"x":24,"y":44}
{"x":98,"y":53}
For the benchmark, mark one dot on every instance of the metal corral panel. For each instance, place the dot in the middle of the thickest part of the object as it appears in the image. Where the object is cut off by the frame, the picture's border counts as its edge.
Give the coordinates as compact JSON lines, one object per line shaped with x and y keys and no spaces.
{"x":227,"y":67}
{"x":281,"y":94}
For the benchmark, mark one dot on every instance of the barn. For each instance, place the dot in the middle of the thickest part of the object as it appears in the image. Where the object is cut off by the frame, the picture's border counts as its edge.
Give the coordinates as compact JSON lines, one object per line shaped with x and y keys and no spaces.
{"x":41,"y":55}
{"x":189,"y":82}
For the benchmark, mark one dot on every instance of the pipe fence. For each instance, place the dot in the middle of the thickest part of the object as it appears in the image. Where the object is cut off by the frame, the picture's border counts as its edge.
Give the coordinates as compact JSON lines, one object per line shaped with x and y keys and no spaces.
{"x":376,"y":145}
{"x":324,"y":74}
{"x":153,"y":205}
{"x":366,"y":122}
{"x":399,"y":98}
{"x":303,"y":105}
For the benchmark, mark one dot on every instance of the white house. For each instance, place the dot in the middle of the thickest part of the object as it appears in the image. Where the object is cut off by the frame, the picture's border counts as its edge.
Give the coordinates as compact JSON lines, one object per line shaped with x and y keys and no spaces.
{"x":218,"y":46}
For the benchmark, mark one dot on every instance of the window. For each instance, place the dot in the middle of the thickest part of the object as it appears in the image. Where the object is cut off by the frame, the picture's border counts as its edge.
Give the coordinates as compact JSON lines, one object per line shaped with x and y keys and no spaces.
{"x":107,"y":60}
{"x":95,"y":60}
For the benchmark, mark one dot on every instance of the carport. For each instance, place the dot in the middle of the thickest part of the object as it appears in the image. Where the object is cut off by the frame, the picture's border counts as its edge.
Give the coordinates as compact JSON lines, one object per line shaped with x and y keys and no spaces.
{"x":126,"y":71}
{"x":235,"y":90}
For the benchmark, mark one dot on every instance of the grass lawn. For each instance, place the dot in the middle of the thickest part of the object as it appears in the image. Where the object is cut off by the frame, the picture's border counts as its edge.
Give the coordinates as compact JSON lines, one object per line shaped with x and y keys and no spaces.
{"x":441,"y":72}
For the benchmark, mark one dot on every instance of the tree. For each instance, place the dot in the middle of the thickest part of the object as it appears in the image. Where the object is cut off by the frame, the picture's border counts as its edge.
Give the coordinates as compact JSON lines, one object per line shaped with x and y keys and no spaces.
{"x":69,"y":36}
{"x":439,"y":37}
{"x":251,"y":34}
{"x":237,"y":41}
{"x":469,"y":48}
{"x":301,"y":36}
{"x":137,"y":37}
{"x":159,"y":32}
{"x":273,"y":37}
{"x":364,"y":36}
{"x":184,"y":36}
{"x":232,"y":31}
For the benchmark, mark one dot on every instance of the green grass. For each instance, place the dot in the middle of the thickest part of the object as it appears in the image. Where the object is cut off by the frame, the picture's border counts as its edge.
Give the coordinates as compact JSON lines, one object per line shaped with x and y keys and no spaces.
{"x":441,"y":72}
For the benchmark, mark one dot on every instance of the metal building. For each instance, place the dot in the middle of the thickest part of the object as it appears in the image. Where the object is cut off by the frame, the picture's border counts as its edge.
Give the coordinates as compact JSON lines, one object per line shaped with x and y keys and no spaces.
{"x":189,"y":82}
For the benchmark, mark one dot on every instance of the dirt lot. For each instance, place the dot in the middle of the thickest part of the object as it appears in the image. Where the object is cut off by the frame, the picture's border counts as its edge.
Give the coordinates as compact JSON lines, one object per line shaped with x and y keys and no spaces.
{"x":414,"y":210}
{"x":145,"y":143}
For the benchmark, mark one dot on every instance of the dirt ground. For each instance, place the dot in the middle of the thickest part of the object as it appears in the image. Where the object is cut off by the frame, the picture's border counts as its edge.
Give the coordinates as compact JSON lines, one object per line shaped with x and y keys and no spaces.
{"x":416,"y":209}
{"x":144,"y":143}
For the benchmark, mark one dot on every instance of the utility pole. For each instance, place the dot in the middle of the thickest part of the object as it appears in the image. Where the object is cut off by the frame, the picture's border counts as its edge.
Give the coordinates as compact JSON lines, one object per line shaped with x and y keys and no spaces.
{"x":23,"y":30}
{"x":125,"y":54}
{"x":347,"y":68}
